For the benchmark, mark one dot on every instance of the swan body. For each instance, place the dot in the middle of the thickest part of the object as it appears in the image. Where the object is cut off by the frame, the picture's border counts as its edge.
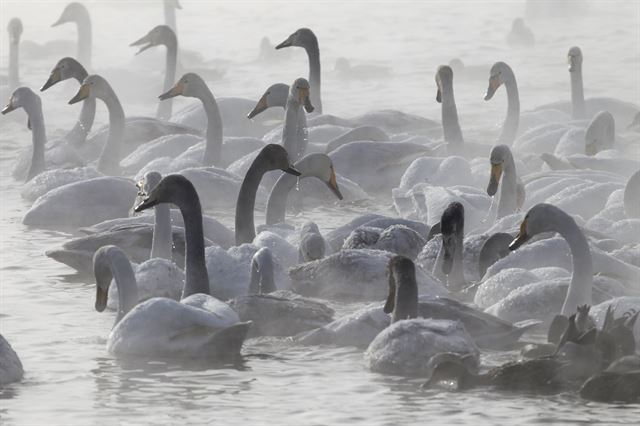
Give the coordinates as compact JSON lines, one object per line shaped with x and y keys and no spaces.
{"x":10,"y":366}
{"x":398,"y":239}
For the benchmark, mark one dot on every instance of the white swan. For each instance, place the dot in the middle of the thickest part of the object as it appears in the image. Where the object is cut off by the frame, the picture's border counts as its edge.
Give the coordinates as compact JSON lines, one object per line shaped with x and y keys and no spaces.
{"x":14,"y":28}
{"x":512,"y":191}
{"x":77,"y":13}
{"x":10,"y":366}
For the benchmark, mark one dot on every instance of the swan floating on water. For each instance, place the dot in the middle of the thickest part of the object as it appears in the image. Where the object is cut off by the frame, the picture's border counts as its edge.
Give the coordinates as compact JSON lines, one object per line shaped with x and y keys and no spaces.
{"x":10,"y":366}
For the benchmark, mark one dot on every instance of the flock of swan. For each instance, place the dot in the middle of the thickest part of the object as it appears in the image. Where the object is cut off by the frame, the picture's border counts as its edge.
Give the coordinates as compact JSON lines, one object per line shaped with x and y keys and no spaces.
{"x":486,"y":243}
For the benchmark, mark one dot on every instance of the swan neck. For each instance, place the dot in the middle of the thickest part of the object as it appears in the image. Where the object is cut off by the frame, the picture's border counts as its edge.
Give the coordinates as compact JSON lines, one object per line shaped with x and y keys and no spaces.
{"x":291,"y":130}
{"x":456,"y":277}
{"x":450,"y":123}
{"x":580,"y":288}
{"x":578,"y":110}
{"x":14,"y":67}
{"x":245,"y":228}
{"x":213,"y":146}
{"x":313,"y":52}
{"x":197,"y":278}
{"x":125,"y":279}
{"x":406,"y":300}
{"x":508,"y":189}
{"x":511,"y":122}
{"x":84,"y":39}
{"x":170,"y":17}
{"x":277,"y":202}
{"x":39,"y":140}
{"x":161,"y":244}
{"x":109,"y":161}
{"x":165,"y":108}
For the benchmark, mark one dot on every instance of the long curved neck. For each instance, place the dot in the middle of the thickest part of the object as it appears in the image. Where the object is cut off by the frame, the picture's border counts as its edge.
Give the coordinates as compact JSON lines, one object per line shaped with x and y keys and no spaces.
{"x":313,"y":52}
{"x":510,"y":126}
{"x":277,"y":203}
{"x":109,"y":161}
{"x":170,"y":17}
{"x":14,"y":69}
{"x":450,"y":123}
{"x":165,"y":107}
{"x":84,"y":39}
{"x":162,"y":242}
{"x":245,"y":228}
{"x":126,"y":282}
{"x":78,"y":134}
{"x":197,"y":278}
{"x":580,"y":288}
{"x":213,"y":147}
{"x":291,"y":130}
{"x":578,"y":110}
{"x":39,"y":139}
{"x":456,"y":277}
{"x":509,"y":189}
{"x":406,"y":301}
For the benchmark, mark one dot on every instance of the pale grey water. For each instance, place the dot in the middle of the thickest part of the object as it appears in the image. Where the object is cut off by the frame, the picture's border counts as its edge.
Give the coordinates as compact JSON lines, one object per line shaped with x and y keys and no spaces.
{"x":49,"y":318}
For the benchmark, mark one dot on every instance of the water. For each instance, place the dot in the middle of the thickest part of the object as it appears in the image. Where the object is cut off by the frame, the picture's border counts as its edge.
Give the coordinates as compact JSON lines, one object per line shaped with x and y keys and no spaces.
{"x":47,"y":313}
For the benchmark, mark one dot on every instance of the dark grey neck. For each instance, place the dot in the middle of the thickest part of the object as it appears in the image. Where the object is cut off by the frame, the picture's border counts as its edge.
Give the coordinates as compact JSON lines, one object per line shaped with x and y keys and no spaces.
{"x":406,"y":300}
{"x":277,"y":203}
{"x":165,"y":108}
{"x":78,"y":135}
{"x":313,"y":52}
{"x":578,"y":110}
{"x":456,"y":277}
{"x":213,"y":147}
{"x":161,"y":243}
{"x":245,"y":228}
{"x":197,"y":278}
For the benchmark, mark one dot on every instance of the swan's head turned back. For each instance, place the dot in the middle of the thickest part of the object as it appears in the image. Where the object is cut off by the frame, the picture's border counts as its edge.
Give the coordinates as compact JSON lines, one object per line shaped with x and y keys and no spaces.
{"x":303,"y":37}
{"x":600,"y":134}
{"x":540,"y":218}
{"x":497,"y":158}
{"x":74,"y":12}
{"x":499,"y":74}
{"x":300,"y":92}
{"x":22,"y":97}
{"x":161,"y":34}
{"x":403,"y":289}
{"x":93,"y":86}
{"x":275,"y":95}
{"x":175,"y":189}
{"x":574,"y":58}
{"x":452,"y":230}
{"x":190,"y":85}
{"x":275,"y":157}
{"x":261,"y":279}
{"x":320,"y":165}
{"x":444,"y":79}
{"x":65,"y":68}
{"x":15,"y":30}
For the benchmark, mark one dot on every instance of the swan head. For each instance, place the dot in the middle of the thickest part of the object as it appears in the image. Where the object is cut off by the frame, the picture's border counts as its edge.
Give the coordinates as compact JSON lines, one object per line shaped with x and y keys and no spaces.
{"x":93,"y":86}
{"x":300,"y":92}
{"x":66,"y":68}
{"x":448,"y":366}
{"x":190,"y":85}
{"x":15,"y":30}
{"x":161,"y":34}
{"x":303,"y":37}
{"x":22,"y":97}
{"x":103,"y":274}
{"x":312,"y":244}
{"x":261,"y":279}
{"x":73,"y":12}
{"x":175,"y":189}
{"x":444,"y":78}
{"x":499,"y":154}
{"x":275,"y":95}
{"x":452,"y":230}
{"x":540,"y":218}
{"x":574,"y":58}
{"x":320,"y":166}
{"x":498,"y":75}
{"x":402,"y":300}
{"x":601,"y":133}
{"x":275,"y":157}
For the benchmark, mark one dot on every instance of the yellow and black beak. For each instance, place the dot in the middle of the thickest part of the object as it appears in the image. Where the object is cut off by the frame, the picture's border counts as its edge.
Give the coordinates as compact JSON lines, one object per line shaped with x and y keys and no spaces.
{"x":82,"y":94}
{"x":494,"y":179}
{"x":101,"y":298}
{"x":54,"y":78}
{"x":494,"y":83}
{"x":260,"y":106}
{"x":333,"y":185}
{"x":522,"y":236}
{"x":9,"y":107}
{"x":176,"y":90}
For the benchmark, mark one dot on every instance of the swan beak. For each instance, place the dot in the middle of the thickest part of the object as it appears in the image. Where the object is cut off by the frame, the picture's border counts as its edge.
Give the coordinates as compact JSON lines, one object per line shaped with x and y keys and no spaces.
{"x":333,"y":185}
{"x":101,"y":298}
{"x":292,"y":171}
{"x":305,"y":100}
{"x":54,"y":78}
{"x":494,"y":180}
{"x":82,"y":94}
{"x":521,"y":238}
{"x":494,"y":83}
{"x":145,"y":204}
{"x":176,"y":90}
{"x":439,"y":96}
{"x":60,"y":21}
{"x":8,"y":108}
{"x":287,"y":43}
{"x":145,"y":39}
{"x":260,"y":106}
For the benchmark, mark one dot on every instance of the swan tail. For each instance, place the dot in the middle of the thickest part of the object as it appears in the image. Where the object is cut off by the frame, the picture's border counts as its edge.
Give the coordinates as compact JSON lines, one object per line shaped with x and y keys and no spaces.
{"x":226,"y":344}
{"x":81,"y":261}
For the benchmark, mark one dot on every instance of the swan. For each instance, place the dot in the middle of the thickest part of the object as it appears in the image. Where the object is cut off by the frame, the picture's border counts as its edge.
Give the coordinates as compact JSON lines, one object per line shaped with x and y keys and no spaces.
{"x":345,"y":71}
{"x":14,"y":28}
{"x":161,"y":327}
{"x":312,"y":244}
{"x":500,"y":74}
{"x":162,"y":35}
{"x":520,"y":34}
{"x":512,"y":190}
{"x":10,"y":366}
{"x":406,"y":345}
{"x":276,"y":312}
{"x":294,"y":137}
{"x":77,"y":13}
{"x":41,"y":158}
{"x":631,"y":200}
{"x":306,"y":39}
{"x":65,"y":69}
{"x":399,"y":239}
